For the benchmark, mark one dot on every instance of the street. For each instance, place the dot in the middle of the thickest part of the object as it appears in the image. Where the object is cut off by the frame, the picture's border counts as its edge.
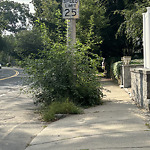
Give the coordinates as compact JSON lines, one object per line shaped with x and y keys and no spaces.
{"x":18,"y":122}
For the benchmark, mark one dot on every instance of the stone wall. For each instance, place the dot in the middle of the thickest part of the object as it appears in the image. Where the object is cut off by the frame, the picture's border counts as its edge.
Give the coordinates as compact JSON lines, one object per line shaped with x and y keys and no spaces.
{"x":126,"y":74}
{"x":140,"y":87}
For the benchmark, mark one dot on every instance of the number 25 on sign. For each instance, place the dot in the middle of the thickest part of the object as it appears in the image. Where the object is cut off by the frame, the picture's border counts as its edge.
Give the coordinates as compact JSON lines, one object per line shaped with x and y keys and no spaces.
{"x":70,"y":9}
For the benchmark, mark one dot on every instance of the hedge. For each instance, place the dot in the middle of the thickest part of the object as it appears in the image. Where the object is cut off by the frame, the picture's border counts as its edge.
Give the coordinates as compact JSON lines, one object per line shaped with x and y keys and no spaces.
{"x":116,"y":67}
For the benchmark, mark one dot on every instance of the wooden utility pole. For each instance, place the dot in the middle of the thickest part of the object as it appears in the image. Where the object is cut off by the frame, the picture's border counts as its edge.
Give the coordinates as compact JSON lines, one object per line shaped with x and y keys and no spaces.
{"x":71,"y":32}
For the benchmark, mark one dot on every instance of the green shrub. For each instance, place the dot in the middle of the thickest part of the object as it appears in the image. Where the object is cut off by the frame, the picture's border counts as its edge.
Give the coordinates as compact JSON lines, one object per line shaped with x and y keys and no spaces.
{"x":59,"y":71}
{"x":116,"y":68}
{"x":62,"y":73}
{"x":109,"y":66}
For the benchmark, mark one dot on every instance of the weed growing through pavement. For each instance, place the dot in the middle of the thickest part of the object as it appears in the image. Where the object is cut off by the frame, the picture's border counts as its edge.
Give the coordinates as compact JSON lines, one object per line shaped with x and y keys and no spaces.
{"x":57,"y":110}
{"x":148,"y":125}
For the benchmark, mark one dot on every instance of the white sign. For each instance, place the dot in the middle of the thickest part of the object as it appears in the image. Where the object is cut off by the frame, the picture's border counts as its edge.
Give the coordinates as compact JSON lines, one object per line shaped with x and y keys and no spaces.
{"x":70,"y":9}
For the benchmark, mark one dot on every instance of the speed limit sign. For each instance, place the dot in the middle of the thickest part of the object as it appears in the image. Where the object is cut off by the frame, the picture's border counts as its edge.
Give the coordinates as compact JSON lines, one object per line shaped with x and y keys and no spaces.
{"x":70,"y":9}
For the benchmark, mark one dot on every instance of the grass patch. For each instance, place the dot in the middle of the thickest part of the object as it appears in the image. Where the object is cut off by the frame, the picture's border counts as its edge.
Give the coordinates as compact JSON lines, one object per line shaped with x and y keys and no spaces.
{"x":51,"y":112}
{"x":148,"y":125}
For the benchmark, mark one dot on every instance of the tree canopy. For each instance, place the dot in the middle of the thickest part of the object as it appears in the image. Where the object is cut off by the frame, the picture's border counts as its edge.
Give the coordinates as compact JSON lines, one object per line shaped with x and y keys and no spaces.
{"x":27,"y":43}
{"x":111,"y":28}
{"x":14,"y":15}
{"x":132,"y":26}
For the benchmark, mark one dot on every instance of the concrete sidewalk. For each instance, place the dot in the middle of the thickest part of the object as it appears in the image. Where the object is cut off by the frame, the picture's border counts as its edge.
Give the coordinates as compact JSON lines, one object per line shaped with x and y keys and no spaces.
{"x":116,"y":125}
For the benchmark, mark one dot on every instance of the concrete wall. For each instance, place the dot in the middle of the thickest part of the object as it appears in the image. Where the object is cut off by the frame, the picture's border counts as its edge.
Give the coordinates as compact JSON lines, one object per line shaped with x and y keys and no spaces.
{"x":140,"y":87}
{"x":126,"y":74}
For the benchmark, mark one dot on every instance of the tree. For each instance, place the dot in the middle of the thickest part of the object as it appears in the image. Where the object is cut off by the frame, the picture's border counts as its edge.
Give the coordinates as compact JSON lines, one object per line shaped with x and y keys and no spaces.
{"x":14,"y":17}
{"x":49,"y":13}
{"x":27,"y":43}
{"x":112,"y":47}
{"x":132,"y":27}
{"x":7,"y":49}
{"x":2,"y":23}
{"x":2,"y":27}
{"x":91,"y":24}
{"x":16,"y":14}
{"x":1,"y":43}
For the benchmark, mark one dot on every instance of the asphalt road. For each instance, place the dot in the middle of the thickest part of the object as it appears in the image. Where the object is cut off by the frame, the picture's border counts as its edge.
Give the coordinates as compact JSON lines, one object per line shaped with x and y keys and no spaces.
{"x":18,"y":122}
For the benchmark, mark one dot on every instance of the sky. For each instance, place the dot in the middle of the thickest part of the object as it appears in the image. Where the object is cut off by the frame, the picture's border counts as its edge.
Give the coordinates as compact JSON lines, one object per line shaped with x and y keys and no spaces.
{"x":26,"y":2}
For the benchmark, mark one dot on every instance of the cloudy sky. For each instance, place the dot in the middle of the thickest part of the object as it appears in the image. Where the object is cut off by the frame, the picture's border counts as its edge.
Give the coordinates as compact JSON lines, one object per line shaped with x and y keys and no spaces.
{"x":26,"y":2}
